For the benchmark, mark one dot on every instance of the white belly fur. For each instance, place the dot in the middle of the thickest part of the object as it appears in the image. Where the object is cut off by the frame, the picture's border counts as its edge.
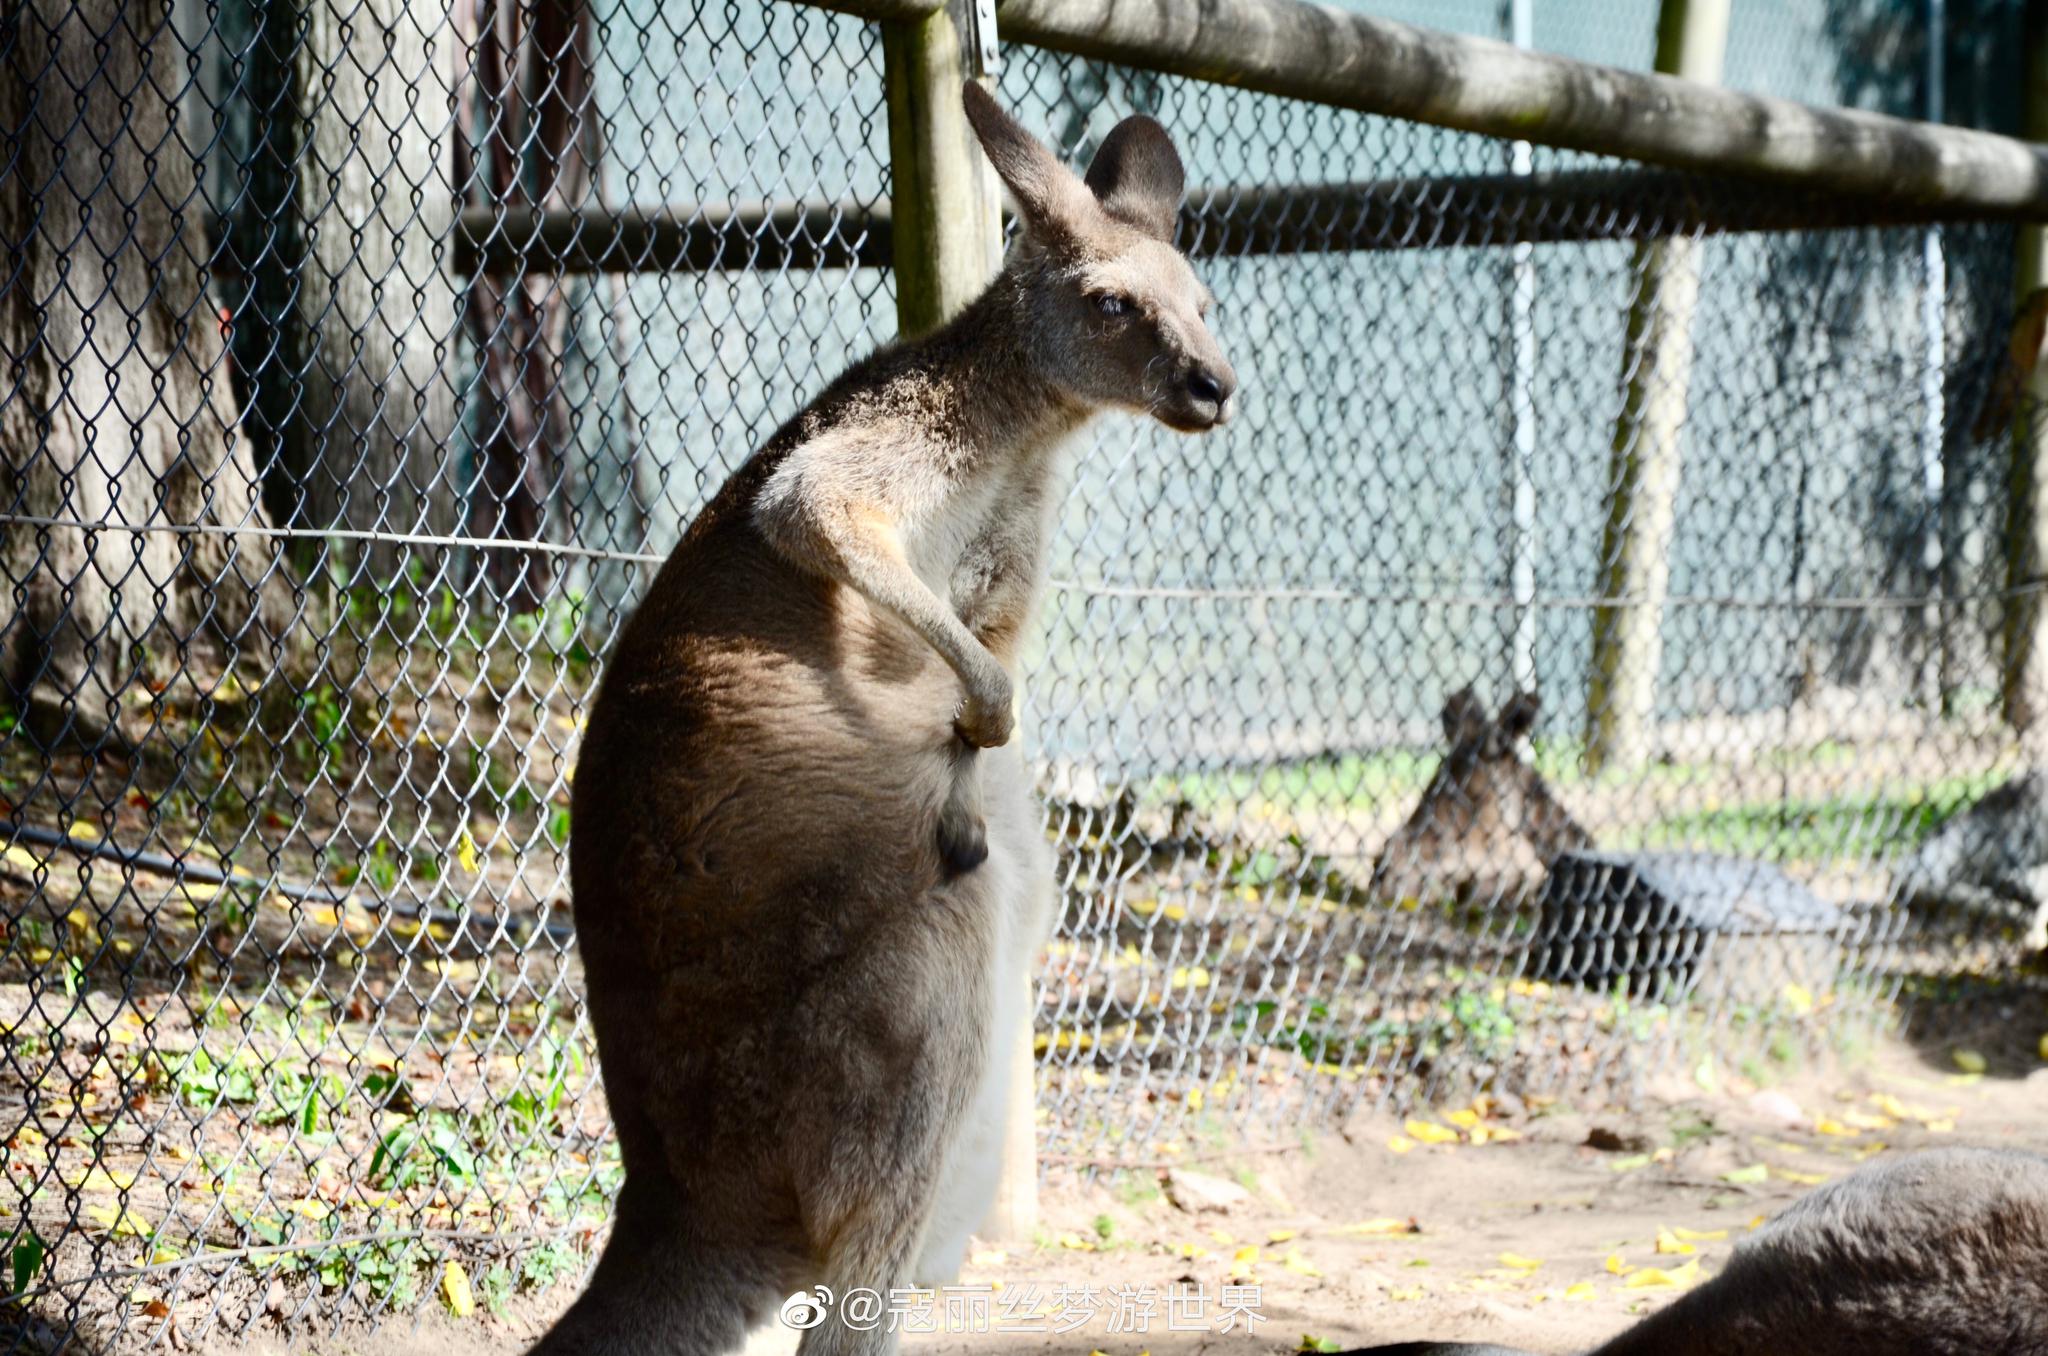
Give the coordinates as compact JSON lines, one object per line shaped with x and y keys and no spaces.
{"x":1018,"y":876}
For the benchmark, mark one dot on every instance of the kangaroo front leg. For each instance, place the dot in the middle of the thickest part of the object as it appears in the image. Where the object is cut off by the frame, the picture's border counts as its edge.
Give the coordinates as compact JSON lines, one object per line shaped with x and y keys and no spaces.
{"x":822,"y":510}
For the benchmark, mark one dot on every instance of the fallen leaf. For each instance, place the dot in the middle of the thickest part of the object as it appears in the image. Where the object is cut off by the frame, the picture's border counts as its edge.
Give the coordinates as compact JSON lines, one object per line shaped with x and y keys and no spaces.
{"x":455,"y":1291}
{"x":1655,"y":1278}
{"x":1969,"y":1061}
{"x":1298,"y":1264}
{"x":1582,"y":1291}
{"x":118,"y":1221}
{"x":1827,"y":1126}
{"x":1429,"y":1132}
{"x":1385,"y":1224}
{"x":1754,"y":1175}
{"x":1617,"y":1266}
{"x":1399,"y":1144}
{"x":1701,"y":1235}
{"x":1671,"y":1245}
{"x":1310,"y":1342}
{"x":1514,"y":1261}
{"x":1281,"y":1235}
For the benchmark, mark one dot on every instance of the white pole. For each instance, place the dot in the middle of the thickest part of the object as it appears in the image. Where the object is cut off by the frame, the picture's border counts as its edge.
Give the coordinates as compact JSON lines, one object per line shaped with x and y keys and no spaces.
{"x":1934,"y":364}
{"x":1520,"y":22}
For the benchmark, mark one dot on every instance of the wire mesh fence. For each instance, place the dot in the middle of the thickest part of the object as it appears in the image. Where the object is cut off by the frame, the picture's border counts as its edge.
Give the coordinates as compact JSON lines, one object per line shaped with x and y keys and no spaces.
{"x":363,"y":358}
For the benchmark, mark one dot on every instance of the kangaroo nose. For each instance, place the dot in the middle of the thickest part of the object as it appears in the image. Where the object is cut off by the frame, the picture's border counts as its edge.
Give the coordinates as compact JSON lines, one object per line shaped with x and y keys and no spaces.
{"x":1211,"y":384}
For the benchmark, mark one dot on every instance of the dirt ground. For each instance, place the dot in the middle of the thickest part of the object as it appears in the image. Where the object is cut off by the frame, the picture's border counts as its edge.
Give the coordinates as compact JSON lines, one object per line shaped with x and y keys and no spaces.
{"x":1546,"y":1235}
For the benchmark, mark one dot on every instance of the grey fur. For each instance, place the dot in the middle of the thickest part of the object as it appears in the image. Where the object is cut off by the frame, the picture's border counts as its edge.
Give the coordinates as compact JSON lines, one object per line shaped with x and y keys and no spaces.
{"x":1941,"y":1253}
{"x":808,"y":876}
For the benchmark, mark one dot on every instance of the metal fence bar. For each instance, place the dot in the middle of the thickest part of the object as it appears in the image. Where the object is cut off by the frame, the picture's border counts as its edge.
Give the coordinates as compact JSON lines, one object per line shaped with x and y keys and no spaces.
{"x":1223,"y":222}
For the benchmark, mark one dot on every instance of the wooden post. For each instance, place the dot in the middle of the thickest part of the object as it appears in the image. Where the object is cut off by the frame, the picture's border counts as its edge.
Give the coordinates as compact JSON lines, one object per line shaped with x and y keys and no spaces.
{"x":944,"y":199}
{"x":1635,"y":564}
{"x":947,"y":241}
{"x":2026,"y":538}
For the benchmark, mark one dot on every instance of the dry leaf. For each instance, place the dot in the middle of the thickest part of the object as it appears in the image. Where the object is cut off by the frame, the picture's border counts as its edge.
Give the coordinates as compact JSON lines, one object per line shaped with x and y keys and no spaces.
{"x":1670,"y":1245}
{"x":455,"y":1291}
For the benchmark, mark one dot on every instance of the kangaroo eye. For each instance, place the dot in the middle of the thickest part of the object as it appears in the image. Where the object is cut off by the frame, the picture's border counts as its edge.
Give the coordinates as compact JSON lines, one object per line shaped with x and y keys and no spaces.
{"x":1109,"y":303}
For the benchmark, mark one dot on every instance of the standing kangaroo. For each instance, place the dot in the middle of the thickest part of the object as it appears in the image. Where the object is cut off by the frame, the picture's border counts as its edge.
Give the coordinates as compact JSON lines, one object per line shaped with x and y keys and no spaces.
{"x":1942,"y":1253}
{"x":808,"y":878}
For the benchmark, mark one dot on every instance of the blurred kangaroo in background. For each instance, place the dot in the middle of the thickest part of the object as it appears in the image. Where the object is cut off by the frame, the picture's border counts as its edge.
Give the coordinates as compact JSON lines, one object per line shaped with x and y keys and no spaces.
{"x":1943,"y":1253}
{"x":1488,"y":824}
{"x":806,"y":905}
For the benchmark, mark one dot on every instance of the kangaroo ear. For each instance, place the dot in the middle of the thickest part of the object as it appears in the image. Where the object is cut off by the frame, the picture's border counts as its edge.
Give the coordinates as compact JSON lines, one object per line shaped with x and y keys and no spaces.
{"x":1518,"y":717}
{"x":1046,"y":191}
{"x":1464,"y":717}
{"x":1137,"y":177}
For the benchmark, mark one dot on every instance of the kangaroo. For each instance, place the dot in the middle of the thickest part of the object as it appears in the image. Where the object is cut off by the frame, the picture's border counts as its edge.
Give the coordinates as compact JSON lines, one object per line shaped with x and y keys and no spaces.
{"x":1487,"y":824}
{"x":1942,"y":1253}
{"x":808,"y":877}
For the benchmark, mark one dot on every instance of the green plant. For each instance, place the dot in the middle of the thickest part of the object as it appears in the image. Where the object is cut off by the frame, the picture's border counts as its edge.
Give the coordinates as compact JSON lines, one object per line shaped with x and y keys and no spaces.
{"x":29,"y":1254}
{"x":412,"y":1150}
{"x":494,"y":1288}
{"x":546,"y":1264}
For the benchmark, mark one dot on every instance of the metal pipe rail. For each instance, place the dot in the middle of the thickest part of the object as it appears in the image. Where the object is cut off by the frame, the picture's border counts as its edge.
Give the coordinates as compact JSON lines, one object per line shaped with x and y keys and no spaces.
{"x":1480,"y":210}
{"x":1311,"y":52}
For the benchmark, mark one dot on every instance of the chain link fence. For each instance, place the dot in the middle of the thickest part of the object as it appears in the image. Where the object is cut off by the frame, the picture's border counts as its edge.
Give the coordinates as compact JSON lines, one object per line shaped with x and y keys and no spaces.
{"x":363,"y":358}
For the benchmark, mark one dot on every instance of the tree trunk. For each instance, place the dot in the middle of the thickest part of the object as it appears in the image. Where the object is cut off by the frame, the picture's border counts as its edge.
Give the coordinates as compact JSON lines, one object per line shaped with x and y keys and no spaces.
{"x":125,"y":476}
{"x":374,"y":211}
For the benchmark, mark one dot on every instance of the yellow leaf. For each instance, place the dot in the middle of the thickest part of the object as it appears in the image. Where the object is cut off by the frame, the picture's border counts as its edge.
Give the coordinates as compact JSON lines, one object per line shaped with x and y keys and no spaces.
{"x":1190,"y":1251}
{"x":1176,"y":912}
{"x":1075,"y":1243}
{"x":1514,"y":1261}
{"x":1943,"y":1126}
{"x":2042,"y":1048}
{"x":1429,"y":1132}
{"x":1829,"y":1126}
{"x":1701,"y":1235}
{"x":1399,"y":1144}
{"x":988,"y":1257}
{"x":1413,"y":1292}
{"x":311,"y":1209}
{"x":1670,"y":1244}
{"x":1494,"y":1134}
{"x":1194,"y":1099}
{"x":99,"y":1179}
{"x":465,"y":852}
{"x":1282,"y":1235}
{"x":1969,"y":1061}
{"x":455,"y":1290}
{"x":1759,"y":1222}
{"x":1385,"y":1224}
{"x":1222,"y":1237}
{"x":1582,"y":1291}
{"x":1298,"y":1264}
{"x":1617,"y":1266}
{"x":1655,"y":1278}
{"x":1799,"y":999}
{"x":1248,"y":1253}
{"x":1464,"y":1119}
{"x":118,"y":1221}
{"x":1803,"y":1178}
